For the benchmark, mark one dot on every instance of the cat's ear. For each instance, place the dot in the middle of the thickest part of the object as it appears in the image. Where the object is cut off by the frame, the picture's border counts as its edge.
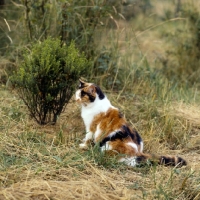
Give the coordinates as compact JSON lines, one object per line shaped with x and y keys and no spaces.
{"x":81,"y":83}
{"x":92,"y":89}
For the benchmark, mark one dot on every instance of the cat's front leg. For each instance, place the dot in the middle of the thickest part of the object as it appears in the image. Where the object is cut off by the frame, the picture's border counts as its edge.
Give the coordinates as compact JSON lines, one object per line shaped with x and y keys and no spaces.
{"x":86,"y":140}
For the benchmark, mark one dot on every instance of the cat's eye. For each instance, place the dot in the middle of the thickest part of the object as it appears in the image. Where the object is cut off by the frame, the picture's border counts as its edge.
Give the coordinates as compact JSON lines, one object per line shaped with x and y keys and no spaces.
{"x":83,"y":93}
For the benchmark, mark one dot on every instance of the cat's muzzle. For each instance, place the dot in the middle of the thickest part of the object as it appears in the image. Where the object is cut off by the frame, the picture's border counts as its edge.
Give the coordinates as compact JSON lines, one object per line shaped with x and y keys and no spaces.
{"x":78,"y":96}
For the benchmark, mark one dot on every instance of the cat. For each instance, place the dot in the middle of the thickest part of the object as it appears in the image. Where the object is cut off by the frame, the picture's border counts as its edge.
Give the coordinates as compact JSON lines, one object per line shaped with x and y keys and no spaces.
{"x":106,"y":126}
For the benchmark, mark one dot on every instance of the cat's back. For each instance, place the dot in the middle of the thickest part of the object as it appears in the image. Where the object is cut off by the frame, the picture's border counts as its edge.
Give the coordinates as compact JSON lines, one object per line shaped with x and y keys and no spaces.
{"x":109,"y":121}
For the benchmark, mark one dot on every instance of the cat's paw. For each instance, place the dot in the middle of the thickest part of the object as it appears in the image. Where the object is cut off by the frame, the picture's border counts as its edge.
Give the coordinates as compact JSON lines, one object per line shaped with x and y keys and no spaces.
{"x":83,"y":146}
{"x":83,"y":140}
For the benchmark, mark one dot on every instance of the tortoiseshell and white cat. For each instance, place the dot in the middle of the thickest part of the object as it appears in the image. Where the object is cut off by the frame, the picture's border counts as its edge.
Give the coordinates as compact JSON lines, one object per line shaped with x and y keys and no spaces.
{"x":106,"y":125}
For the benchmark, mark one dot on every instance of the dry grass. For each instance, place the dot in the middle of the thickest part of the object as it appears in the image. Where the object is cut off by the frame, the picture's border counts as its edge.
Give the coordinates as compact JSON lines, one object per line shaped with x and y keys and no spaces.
{"x":45,"y":162}
{"x":188,"y":112}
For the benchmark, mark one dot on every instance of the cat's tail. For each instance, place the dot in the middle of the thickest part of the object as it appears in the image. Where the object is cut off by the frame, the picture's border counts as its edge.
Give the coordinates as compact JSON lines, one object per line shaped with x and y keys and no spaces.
{"x":161,"y":160}
{"x":142,"y":158}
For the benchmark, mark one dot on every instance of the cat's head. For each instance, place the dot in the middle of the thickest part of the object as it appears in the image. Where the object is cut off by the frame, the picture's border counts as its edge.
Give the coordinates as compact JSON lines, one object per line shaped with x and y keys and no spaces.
{"x":87,"y":93}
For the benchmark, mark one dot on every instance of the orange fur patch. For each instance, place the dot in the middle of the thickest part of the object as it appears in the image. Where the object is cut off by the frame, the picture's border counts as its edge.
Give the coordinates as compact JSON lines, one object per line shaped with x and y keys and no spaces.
{"x":108,"y":122}
{"x":111,"y":122}
{"x":123,"y":148}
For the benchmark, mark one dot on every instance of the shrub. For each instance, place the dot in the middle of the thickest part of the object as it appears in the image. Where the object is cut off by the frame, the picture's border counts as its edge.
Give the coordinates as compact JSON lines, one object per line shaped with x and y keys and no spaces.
{"x":47,"y":78}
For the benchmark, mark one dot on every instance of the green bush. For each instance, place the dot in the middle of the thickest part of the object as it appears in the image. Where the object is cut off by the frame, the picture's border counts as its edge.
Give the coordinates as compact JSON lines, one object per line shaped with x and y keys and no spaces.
{"x":47,"y":78}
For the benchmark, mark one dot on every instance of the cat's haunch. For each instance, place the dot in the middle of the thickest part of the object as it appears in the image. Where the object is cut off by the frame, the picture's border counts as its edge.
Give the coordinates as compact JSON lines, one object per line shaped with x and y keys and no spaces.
{"x":106,"y":126}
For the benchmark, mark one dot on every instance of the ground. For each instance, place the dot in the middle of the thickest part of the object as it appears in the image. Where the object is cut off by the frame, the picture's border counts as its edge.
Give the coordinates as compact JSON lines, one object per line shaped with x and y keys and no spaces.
{"x":44,"y":162}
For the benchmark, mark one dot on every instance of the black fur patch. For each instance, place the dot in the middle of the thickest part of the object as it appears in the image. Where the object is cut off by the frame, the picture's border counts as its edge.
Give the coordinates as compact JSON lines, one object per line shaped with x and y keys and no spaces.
{"x":138,"y":137}
{"x":91,"y":98}
{"x":99,"y":92}
{"x":81,"y":85}
{"x":141,"y":159}
{"x":120,"y":135}
{"x":133,"y":135}
{"x":117,"y":135}
{"x":181,"y":161}
{"x":127,"y":131}
{"x":167,"y":161}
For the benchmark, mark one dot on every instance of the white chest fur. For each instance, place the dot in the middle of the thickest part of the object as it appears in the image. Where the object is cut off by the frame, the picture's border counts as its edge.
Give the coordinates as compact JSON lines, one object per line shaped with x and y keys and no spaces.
{"x":88,"y":112}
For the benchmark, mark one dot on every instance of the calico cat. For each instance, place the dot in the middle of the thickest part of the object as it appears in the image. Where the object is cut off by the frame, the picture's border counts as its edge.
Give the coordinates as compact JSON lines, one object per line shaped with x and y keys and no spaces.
{"x":106,"y":126}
